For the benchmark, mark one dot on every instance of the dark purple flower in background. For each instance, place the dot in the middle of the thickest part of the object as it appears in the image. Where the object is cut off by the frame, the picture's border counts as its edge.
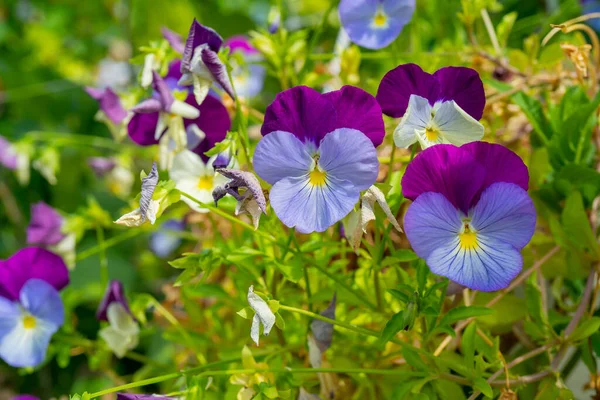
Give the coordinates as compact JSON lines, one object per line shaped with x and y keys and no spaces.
{"x":249,"y":77}
{"x":8,"y":155}
{"x":201,"y":65}
{"x":374,"y":24}
{"x":31,"y":309}
{"x":174,"y":39}
{"x":441,"y":108}
{"x":318,"y":152}
{"x":471,"y":214}
{"x":114,"y":294}
{"x":45,"y":227}
{"x":165,"y":240}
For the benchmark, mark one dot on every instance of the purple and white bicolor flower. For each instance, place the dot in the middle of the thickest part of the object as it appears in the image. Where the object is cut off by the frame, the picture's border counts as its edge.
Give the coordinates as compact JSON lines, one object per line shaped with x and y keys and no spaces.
{"x":201,"y":65}
{"x":471,"y":214}
{"x":31,"y":309}
{"x":111,"y":111}
{"x":201,"y":132}
{"x":122,"y":333}
{"x":318,"y":152}
{"x":441,"y":108}
{"x":375,"y":24}
{"x":249,"y":77}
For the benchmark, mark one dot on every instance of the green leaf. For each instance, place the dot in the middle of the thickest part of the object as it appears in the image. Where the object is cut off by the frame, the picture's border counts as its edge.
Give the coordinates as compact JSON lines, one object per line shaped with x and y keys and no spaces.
{"x":422,"y":273}
{"x":414,"y":359}
{"x":533,"y":299}
{"x":576,"y":224}
{"x":246,"y":313}
{"x":468,"y":346}
{"x":400,"y":321}
{"x":578,"y":178}
{"x":585,"y":329}
{"x":463,"y":312}
{"x":447,"y":390}
{"x":399,"y":295}
{"x":485,"y":388}
{"x":534,"y":112}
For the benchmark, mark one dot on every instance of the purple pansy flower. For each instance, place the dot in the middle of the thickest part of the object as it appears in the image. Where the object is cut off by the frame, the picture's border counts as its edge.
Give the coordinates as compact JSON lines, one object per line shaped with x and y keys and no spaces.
{"x":101,"y":165}
{"x":109,"y":103}
{"x":31,"y":309}
{"x":201,"y":64}
{"x":8,"y":155}
{"x":248,"y":79}
{"x":374,"y":24}
{"x":165,"y":241}
{"x":318,"y":152}
{"x":114,"y":294}
{"x":122,"y":333}
{"x":441,"y":108}
{"x":174,"y":39}
{"x":471,"y":214}
{"x":45,"y":228}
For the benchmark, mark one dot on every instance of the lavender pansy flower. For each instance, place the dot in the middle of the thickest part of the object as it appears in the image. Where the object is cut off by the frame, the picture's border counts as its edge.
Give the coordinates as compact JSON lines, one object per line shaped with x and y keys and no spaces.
{"x":45,"y":227}
{"x":111,"y":111}
{"x":122,"y":334}
{"x":251,"y":201}
{"x":31,"y":309}
{"x":101,"y":165}
{"x":8,"y":155}
{"x":441,"y":108}
{"x":374,"y":24}
{"x":471,"y":214}
{"x":201,"y":65}
{"x":165,"y":241}
{"x":248,"y":78}
{"x":318,"y":152}
{"x":195,"y":177}
{"x":15,"y":159}
{"x":174,"y":39}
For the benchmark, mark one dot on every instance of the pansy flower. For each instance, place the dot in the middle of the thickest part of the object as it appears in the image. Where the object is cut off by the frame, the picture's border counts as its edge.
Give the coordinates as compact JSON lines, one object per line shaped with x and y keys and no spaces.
{"x":174,"y":39}
{"x":201,"y":65}
{"x":31,"y":309}
{"x":201,"y":132}
{"x":122,"y":333}
{"x":195,"y":177}
{"x":471,"y":214}
{"x":318,"y":152}
{"x":111,"y":111}
{"x":249,"y":77}
{"x":374,"y":24}
{"x":441,"y":108}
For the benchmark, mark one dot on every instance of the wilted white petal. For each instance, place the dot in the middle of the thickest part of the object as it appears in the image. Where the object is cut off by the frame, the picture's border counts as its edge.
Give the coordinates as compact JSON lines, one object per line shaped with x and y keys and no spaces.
{"x":133,"y":218}
{"x":323,"y":331}
{"x":184,"y":109}
{"x":304,"y":395}
{"x":315,"y":356}
{"x":416,"y":118}
{"x":123,"y":333}
{"x":148,"y":185}
{"x":249,"y":206}
{"x":146,"y":79}
{"x":374,"y":195}
{"x":120,"y":319}
{"x":455,"y":125}
{"x":263,"y":315}
{"x":152,"y":211}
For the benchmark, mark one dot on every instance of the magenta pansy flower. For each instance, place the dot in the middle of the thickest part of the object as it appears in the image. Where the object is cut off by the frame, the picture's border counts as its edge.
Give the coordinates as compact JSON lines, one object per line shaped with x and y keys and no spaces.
{"x":374,"y":24}
{"x":441,"y":108}
{"x":318,"y":152}
{"x":45,"y":227}
{"x":201,"y":65}
{"x":471,"y":214}
{"x":248,"y":79}
{"x":31,"y":309}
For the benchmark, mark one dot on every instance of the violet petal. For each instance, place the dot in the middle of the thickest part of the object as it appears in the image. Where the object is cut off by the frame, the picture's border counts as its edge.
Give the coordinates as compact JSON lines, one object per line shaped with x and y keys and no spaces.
{"x":45,"y":226}
{"x":114,"y":293}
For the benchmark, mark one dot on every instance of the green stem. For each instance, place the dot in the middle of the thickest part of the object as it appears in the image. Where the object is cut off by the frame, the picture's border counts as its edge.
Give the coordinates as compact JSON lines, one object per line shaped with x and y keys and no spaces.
{"x":75,"y":139}
{"x":315,"y":37}
{"x":104,"y":276}
{"x":388,"y":179}
{"x":128,"y":234}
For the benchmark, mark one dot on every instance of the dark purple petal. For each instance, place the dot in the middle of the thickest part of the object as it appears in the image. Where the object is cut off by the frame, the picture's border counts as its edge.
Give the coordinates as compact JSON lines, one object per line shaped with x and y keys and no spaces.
{"x":217,"y":70}
{"x":398,"y":84}
{"x":197,"y":36}
{"x":240,"y":43}
{"x":114,"y":294}
{"x":174,"y":39}
{"x":445,"y":169}
{"x":214,"y":121}
{"x":101,"y":165}
{"x":358,"y":110}
{"x":148,"y":106}
{"x":174,"y":70}
{"x":31,"y":263}
{"x":464,"y":86}
{"x":141,"y":128}
{"x":164,"y":94}
{"x":501,"y":164}
{"x":45,"y":226}
{"x":109,"y":102}
{"x":8,"y":156}
{"x":222,"y":160}
{"x":302,"y":111}
{"x":323,"y":331}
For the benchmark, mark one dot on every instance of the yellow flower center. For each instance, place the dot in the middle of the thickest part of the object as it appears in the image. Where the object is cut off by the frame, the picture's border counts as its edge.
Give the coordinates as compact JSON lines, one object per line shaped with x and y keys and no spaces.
{"x":468,"y":239}
{"x":380,"y":19}
{"x":205,"y":182}
{"x":29,"y":322}
{"x":431,"y":134}
{"x":317,"y":178}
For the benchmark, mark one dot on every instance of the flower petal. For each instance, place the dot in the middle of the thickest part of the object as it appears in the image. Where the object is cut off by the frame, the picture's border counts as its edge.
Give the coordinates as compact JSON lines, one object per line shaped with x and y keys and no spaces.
{"x":464,"y":86}
{"x":110,"y":104}
{"x":303,"y":111}
{"x":280,"y":155}
{"x":120,"y":319}
{"x":445,"y":169}
{"x":148,"y":185}
{"x":431,"y":222}
{"x":174,"y":39}
{"x":217,"y":70}
{"x":31,"y":263}
{"x":312,"y":208}
{"x":114,"y":293}
{"x":162,"y":89}
{"x":348,"y":155}
{"x":501,"y":164}
{"x":263,"y":315}
{"x":199,"y":35}
{"x":357,"y":109}
{"x":505,"y":213}
{"x":399,"y":84}
{"x":142,"y":127}
{"x":10,"y":316}
{"x":44,"y":229}
{"x":43,"y":302}
{"x":414,"y":121}
{"x":456,"y":126}
{"x":22,"y":347}
{"x":8,"y":156}
{"x":214,"y":121}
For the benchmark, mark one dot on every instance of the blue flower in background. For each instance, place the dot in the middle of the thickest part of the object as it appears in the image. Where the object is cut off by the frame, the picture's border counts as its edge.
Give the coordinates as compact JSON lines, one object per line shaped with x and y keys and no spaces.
{"x":374,"y":24}
{"x":249,"y":77}
{"x":166,"y":240}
